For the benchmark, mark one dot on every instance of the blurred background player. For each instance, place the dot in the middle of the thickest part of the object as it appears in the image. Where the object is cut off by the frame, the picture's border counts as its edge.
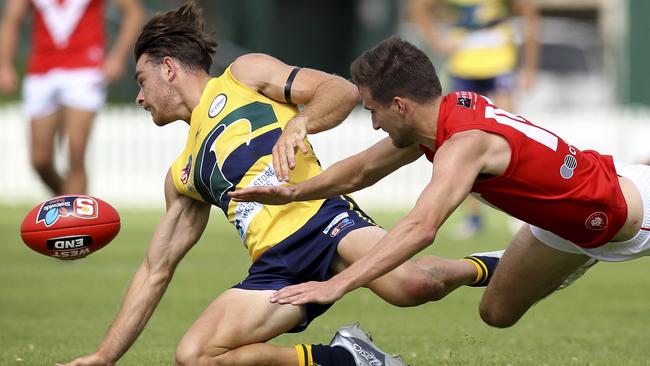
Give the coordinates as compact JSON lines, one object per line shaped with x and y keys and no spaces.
{"x":67,"y":74}
{"x":482,"y":56}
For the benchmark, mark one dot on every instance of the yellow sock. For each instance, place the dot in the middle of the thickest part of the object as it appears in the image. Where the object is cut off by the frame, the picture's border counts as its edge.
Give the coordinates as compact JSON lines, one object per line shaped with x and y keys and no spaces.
{"x":481,"y":270}
{"x":304,"y":355}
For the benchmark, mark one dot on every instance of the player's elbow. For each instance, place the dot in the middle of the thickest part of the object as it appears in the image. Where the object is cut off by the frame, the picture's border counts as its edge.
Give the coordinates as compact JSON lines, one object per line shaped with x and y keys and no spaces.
{"x":350,"y":93}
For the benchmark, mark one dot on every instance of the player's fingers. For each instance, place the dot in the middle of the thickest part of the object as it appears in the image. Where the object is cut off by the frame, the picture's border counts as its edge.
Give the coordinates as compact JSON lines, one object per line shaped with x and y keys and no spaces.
{"x":278,"y":154}
{"x":302,"y":146}
{"x":291,"y":156}
{"x":284,"y":150}
{"x":288,"y":300}
{"x":303,"y":299}
{"x":286,"y":292}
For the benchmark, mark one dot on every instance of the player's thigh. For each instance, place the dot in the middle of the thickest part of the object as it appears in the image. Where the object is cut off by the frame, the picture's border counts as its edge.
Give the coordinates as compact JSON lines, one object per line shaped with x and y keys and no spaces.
{"x":528,"y":271}
{"x":237,"y":318}
{"x":78,"y":124}
{"x":406,"y":285}
{"x":43,"y":131}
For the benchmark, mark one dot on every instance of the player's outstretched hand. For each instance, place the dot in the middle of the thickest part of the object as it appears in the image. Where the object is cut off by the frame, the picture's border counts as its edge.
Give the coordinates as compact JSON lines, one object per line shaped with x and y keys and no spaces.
{"x":284,"y":151}
{"x":90,"y":360}
{"x":268,"y":195}
{"x":309,"y":292}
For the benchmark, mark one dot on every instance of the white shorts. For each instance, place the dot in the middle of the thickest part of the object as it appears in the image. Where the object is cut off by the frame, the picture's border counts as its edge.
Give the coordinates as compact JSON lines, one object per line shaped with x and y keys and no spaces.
{"x":43,"y":94}
{"x":636,"y":247}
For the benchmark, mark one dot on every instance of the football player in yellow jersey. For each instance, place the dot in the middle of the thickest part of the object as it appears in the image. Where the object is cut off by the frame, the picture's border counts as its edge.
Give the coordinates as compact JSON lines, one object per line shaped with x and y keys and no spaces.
{"x":481,"y":55}
{"x":235,"y":121}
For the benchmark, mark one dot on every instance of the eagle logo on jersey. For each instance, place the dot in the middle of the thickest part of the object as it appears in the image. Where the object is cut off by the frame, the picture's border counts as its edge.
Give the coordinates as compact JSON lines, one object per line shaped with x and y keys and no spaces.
{"x":234,"y":130}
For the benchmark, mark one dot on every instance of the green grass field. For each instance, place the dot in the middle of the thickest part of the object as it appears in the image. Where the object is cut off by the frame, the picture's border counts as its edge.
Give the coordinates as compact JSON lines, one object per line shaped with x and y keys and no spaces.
{"x":53,"y":310}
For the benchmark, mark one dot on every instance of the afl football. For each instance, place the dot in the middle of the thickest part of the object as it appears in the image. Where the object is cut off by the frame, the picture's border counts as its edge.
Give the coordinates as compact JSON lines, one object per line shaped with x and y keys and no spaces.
{"x":70,"y":226}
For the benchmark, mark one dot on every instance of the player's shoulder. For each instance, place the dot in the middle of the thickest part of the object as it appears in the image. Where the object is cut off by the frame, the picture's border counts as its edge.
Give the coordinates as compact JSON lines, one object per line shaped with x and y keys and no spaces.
{"x":465,"y":106}
{"x":253,"y":66}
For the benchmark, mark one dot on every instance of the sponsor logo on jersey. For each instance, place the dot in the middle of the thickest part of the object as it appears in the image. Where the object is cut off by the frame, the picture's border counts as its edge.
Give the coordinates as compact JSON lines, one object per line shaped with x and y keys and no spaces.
{"x":218,"y":104}
{"x":342,"y":225}
{"x":83,"y":207}
{"x":339,"y":223}
{"x":246,"y":211}
{"x":464,"y":102}
{"x":570,"y":164}
{"x":464,"y":99}
{"x":596,"y":221}
{"x":185,"y":172}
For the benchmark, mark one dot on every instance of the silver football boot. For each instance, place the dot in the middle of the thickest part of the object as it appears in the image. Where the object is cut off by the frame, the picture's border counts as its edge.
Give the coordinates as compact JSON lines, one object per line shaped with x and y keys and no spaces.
{"x":364,"y":351}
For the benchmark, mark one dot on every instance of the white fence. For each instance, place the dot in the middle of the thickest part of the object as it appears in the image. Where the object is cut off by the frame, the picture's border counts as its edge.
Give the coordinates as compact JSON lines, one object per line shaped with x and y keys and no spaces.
{"x":128,"y":155}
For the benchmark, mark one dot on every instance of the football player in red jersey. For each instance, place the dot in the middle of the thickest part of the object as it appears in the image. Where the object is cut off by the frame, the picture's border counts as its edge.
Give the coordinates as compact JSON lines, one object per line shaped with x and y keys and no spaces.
{"x":66,"y":77}
{"x":580,"y":206}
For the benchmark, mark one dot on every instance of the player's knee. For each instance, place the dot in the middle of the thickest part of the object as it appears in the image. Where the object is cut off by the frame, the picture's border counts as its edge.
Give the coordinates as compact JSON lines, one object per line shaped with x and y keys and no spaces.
{"x":187,"y":354}
{"x":42,"y":163}
{"x":77,"y":164}
{"x":498,"y":316}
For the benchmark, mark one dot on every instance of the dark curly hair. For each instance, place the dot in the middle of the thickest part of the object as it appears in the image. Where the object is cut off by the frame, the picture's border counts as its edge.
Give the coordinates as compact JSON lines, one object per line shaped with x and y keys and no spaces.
{"x":179,"y":34}
{"x":395,"y":67}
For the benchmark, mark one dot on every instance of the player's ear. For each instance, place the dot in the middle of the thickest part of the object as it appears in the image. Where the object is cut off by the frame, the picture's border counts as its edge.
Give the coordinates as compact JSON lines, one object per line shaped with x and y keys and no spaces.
{"x":169,"y":68}
{"x":401,"y":104}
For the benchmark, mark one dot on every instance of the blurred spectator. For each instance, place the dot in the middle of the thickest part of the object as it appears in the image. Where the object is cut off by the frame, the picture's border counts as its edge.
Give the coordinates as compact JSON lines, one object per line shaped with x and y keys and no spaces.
{"x":481,"y":55}
{"x":67,"y":74}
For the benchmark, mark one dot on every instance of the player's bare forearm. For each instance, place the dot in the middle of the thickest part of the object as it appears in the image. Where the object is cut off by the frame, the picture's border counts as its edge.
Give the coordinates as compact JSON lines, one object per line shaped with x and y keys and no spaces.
{"x":177,"y":232}
{"x":14,"y":12}
{"x":133,"y":15}
{"x":144,"y":294}
{"x":332,"y":101}
{"x":342,"y":177}
{"x":400,"y":244}
{"x":530,"y":16}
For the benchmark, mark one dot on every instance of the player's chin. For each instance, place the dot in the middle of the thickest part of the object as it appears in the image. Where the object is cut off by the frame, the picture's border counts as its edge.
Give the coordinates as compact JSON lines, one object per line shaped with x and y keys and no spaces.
{"x":160,"y":120}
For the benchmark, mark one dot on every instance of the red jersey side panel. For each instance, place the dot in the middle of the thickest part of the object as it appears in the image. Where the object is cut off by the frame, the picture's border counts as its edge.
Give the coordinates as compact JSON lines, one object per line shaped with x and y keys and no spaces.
{"x":66,"y":34}
{"x":548,"y":183}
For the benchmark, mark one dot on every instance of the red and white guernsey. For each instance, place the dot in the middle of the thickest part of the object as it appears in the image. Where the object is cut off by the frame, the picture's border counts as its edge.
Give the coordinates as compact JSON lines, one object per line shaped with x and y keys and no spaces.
{"x":67,"y":34}
{"x":549,"y":183}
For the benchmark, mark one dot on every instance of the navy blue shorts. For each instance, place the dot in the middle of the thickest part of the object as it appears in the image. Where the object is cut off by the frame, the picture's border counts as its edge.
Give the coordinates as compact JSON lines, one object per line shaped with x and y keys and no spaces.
{"x":307,"y":254}
{"x":500,"y":83}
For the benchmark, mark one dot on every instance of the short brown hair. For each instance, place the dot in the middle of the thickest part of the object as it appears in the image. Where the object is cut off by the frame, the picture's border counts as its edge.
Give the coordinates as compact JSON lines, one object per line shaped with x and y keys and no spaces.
{"x":179,"y":34}
{"x":395,"y":67}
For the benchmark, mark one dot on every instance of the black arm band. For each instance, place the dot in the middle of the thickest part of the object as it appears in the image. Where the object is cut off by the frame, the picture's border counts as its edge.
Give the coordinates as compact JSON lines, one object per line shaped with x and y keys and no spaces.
{"x":287,"y":86}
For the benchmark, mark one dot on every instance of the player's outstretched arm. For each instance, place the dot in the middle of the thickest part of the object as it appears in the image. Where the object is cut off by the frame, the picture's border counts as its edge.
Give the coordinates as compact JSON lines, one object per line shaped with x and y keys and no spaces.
{"x":456,"y":166}
{"x":348,"y":175}
{"x":12,"y":16}
{"x":179,"y":229}
{"x":328,"y":99}
{"x":130,"y":25}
